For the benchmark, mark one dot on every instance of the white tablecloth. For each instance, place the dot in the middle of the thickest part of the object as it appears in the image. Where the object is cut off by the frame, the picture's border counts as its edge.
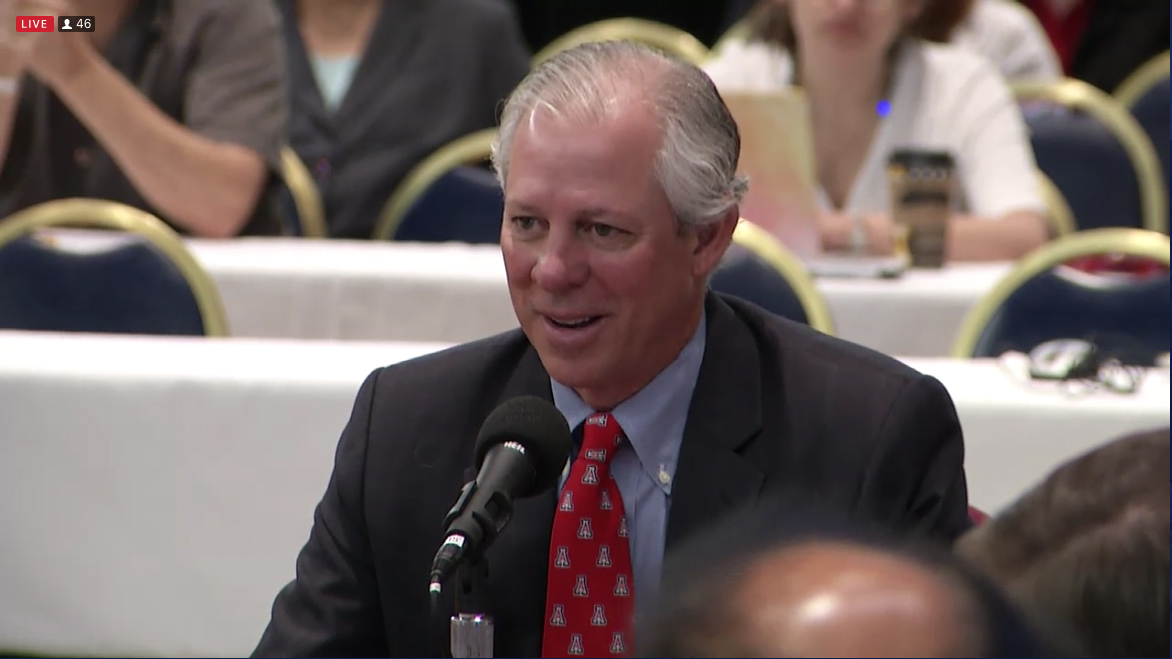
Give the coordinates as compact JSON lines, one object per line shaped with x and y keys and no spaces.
{"x":349,"y":290}
{"x":156,"y":490}
{"x":917,"y":315}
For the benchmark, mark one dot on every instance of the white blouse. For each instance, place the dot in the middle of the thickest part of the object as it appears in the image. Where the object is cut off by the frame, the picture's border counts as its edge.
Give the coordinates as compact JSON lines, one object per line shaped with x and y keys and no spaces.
{"x":1010,"y":36}
{"x":943,"y":98}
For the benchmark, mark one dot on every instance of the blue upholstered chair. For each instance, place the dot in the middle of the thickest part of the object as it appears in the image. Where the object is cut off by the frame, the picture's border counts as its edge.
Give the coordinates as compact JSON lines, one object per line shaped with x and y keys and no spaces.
{"x":447,"y":197}
{"x":1043,"y":300}
{"x":1145,"y":94}
{"x":464,"y":205}
{"x":1096,"y":154}
{"x":759,"y":269}
{"x":146,"y":284}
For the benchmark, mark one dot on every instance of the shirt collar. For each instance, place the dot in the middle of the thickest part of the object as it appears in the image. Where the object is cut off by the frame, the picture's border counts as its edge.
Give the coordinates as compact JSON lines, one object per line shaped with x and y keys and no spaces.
{"x":653,"y":419}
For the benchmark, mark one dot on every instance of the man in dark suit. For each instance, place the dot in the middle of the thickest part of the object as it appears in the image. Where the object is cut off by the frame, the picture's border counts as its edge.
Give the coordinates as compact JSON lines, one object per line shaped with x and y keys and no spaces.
{"x":621,"y":196}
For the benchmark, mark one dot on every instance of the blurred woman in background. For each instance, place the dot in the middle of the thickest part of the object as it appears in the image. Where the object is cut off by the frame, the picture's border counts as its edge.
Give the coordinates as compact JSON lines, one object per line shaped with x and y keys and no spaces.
{"x":875,"y":85}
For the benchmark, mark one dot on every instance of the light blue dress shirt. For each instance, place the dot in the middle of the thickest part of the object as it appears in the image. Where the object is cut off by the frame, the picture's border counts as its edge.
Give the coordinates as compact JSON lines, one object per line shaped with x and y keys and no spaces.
{"x":653,"y":421}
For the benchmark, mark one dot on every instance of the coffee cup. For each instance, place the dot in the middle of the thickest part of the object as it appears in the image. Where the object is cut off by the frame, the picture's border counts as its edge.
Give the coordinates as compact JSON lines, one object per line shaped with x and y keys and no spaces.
{"x":921,"y":184}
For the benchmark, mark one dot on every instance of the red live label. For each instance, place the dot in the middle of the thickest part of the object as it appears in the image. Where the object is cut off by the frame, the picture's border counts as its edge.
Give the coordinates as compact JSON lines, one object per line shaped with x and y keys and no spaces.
{"x":35,"y":23}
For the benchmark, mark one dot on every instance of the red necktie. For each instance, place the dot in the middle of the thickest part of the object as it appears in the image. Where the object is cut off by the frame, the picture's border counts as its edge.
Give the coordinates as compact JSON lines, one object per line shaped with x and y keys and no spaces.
{"x":590,"y":599}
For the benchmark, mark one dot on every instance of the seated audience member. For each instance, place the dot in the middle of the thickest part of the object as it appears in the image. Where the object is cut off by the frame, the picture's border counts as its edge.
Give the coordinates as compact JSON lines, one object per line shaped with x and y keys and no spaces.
{"x":1089,"y":547}
{"x":378,"y":86}
{"x":873,"y":87}
{"x":1103,"y":41}
{"x":618,"y":167}
{"x":779,"y":582}
{"x":1003,"y":31}
{"x":177,"y":107}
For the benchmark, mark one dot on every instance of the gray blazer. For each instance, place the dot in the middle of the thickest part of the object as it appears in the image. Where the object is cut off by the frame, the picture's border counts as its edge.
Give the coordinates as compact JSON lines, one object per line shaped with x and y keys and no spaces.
{"x":434,"y":70}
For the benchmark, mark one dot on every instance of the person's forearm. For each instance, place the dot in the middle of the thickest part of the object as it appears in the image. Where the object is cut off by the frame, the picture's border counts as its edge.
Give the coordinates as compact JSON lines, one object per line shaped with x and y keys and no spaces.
{"x":206,"y":187}
{"x":970,"y":238}
{"x":1006,"y":238}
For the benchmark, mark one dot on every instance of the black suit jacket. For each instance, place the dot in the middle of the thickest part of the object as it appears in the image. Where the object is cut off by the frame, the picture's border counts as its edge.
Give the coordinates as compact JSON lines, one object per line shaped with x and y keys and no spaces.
{"x":777,"y":407}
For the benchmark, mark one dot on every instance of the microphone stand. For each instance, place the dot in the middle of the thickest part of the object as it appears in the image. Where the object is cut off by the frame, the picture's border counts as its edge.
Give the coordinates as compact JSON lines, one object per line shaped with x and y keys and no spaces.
{"x":471,"y":630}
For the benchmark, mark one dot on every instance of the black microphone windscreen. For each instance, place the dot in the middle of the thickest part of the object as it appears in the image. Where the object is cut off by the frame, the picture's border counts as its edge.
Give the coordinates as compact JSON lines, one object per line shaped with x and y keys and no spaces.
{"x":535,"y":424}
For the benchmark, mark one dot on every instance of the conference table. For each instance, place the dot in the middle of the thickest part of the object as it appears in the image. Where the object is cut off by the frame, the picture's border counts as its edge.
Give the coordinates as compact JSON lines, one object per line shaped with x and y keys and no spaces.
{"x":157,"y":489}
{"x":454,"y":292}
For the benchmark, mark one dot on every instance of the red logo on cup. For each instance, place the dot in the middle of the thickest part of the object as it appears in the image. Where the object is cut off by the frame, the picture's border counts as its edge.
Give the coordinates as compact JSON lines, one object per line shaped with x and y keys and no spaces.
{"x":35,"y":23}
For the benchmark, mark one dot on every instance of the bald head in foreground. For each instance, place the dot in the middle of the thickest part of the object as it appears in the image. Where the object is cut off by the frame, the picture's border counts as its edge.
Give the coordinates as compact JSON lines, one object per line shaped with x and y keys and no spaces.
{"x":833,"y":587}
{"x":618,"y":166}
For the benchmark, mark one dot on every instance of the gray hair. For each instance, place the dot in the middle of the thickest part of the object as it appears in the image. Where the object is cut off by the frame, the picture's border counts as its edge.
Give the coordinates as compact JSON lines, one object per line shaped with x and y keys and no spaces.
{"x":697,"y":160}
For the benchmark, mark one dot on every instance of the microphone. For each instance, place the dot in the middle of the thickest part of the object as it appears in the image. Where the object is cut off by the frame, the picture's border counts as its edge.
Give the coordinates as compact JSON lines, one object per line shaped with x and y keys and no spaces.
{"x":520,"y":452}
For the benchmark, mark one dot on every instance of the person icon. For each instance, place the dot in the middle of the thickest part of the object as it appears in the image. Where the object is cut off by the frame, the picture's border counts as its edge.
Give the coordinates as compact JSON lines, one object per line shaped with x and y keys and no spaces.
{"x":65,"y":25}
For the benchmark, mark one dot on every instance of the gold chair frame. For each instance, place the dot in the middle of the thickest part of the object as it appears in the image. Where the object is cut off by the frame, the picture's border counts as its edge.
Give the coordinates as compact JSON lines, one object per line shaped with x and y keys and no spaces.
{"x":472,"y":149}
{"x":1078,"y":95}
{"x":1143,"y":79}
{"x":763,"y":245}
{"x":666,"y":38}
{"x":1130,"y":242}
{"x":306,"y":196}
{"x":101,"y":214}
{"x":1059,"y":215}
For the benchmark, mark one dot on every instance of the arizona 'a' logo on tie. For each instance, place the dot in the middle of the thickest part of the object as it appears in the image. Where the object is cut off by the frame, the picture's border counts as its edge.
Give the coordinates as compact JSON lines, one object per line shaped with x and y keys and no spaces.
{"x":617,"y":645}
{"x":603,"y":556}
{"x":604,"y":501}
{"x":623,"y":526}
{"x":590,"y":476}
{"x":621,"y":588}
{"x":575,"y":645}
{"x":597,"y":420}
{"x":558,"y":619}
{"x":567,"y":502}
{"x":597,"y":454}
{"x":580,"y":589}
{"x":562,"y":559}
{"x":598,"y":619}
{"x":585,"y":529}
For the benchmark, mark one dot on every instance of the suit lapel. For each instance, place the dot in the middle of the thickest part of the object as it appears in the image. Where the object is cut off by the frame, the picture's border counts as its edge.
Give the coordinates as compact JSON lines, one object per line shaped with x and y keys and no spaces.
{"x":712,"y":477}
{"x":306,"y":96}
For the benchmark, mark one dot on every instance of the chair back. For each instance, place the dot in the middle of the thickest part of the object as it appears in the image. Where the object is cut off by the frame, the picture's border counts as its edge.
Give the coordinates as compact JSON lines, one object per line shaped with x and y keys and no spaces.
{"x":666,"y":38}
{"x":1096,"y":154}
{"x":303,"y":212}
{"x":1142,"y":80}
{"x":147,"y":284}
{"x":1058,"y":213}
{"x":447,"y":197}
{"x":1042,"y":300}
{"x":757,"y":268}
{"x":1152,"y":111}
{"x":1145,"y":94}
{"x":464,"y":205}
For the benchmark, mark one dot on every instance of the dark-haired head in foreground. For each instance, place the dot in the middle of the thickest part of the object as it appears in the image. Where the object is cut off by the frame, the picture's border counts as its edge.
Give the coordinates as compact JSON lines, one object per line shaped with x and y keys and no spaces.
{"x":1089,"y":547}
{"x":811,"y":584}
